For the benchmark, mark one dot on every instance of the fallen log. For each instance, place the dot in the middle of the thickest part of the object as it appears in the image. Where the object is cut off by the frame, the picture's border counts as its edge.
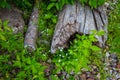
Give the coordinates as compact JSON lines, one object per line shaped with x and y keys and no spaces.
{"x":31,"y":34}
{"x":80,"y":19}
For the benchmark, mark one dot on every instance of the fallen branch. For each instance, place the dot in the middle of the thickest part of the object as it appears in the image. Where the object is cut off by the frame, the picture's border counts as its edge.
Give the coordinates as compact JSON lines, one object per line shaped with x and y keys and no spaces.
{"x":31,"y":34}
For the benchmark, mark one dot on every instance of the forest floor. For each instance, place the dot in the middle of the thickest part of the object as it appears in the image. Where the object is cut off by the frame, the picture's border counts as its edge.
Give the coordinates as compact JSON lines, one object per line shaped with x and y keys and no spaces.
{"x":110,"y":61}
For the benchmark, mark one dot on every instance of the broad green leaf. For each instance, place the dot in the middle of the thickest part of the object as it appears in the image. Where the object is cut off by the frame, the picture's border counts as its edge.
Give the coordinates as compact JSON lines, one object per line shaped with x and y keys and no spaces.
{"x":102,"y":32}
{"x":2,"y":37}
{"x":95,"y":48}
{"x":18,"y":57}
{"x":21,"y":73}
{"x":50,"y":6}
{"x":62,"y":2}
{"x":100,"y":2}
{"x":34,"y":77}
{"x":57,"y":6}
{"x":93,"y":32}
{"x":54,"y":77}
{"x":93,"y":3}
{"x":34,"y":70}
{"x":1,"y":30}
{"x":28,"y":60}
{"x":54,"y":20}
{"x":8,"y":28}
{"x":17,"y":64}
{"x":48,"y":16}
{"x":5,"y":23}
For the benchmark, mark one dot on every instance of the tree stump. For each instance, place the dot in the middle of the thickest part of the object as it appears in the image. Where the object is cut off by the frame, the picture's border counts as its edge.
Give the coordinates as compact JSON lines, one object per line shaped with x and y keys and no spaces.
{"x":80,"y":19}
{"x":31,"y":34}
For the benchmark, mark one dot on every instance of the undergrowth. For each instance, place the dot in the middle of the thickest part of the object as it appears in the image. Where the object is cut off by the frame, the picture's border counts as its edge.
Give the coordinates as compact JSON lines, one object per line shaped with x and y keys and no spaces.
{"x":114,"y":29}
{"x":19,"y":64}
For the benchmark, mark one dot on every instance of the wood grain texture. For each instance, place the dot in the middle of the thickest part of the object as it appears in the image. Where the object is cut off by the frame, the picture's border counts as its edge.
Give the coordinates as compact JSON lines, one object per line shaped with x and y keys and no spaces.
{"x":80,"y":19}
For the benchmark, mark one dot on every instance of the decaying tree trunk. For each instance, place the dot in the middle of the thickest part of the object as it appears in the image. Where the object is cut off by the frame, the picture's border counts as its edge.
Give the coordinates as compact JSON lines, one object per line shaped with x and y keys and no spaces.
{"x":14,"y":17}
{"x":80,"y":19}
{"x":31,"y":34}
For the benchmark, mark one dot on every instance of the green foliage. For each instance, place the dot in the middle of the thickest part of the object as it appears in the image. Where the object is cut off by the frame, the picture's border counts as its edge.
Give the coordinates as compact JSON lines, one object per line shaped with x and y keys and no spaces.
{"x":93,"y":3}
{"x":114,"y":29}
{"x":67,"y":60}
{"x":47,"y":21}
{"x":15,"y":61}
{"x":23,"y":3}
{"x":80,"y":54}
{"x":96,"y":3}
{"x":2,"y":29}
{"x":60,"y":3}
{"x":7,"y":38}
{"x":29,"y":67}
{"x":4,"y":4}
{"x":19,"y":3}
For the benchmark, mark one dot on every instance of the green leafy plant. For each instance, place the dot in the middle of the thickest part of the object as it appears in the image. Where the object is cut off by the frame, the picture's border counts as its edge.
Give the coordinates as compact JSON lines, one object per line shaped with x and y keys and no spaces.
{"x":15,"y":61}
{"x":21,"y":4}
{"x":59,"y":4}
{"x":47,"y":21}
{"x":7,"y":38}
{"x":79,"y":55}
{"x":114,"y":29}
{"x":4,"y":4}
{"x":29,"y":67}
{"x":6,"y":47}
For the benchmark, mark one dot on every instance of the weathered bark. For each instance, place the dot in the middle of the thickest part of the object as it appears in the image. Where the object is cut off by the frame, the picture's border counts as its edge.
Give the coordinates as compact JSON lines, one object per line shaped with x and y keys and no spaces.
{"x":14,"y":17}
{"x":80,"y":19}
{"x":31,"y":34}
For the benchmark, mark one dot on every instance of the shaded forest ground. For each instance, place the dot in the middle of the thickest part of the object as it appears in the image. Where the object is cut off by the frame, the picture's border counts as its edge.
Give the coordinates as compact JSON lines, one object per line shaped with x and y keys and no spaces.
{"x":18,"y":63}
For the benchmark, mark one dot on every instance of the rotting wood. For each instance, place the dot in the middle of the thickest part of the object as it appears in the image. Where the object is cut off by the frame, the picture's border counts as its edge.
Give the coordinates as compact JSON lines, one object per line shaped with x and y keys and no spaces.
{"x":14,"y":17}
{"x":80,"y":19}
{"x":31,"y":34}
